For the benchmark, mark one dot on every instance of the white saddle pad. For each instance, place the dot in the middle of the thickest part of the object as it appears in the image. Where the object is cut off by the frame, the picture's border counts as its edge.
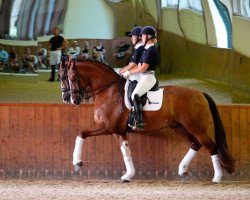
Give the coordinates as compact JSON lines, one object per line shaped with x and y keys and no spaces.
{"x":154,"y":101}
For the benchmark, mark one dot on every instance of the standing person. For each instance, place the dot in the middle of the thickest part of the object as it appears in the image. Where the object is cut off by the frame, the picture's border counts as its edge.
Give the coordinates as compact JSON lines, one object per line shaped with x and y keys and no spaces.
{"x":146,"y":70}
{"x":57,"y":43}
{"x":99,"y":52}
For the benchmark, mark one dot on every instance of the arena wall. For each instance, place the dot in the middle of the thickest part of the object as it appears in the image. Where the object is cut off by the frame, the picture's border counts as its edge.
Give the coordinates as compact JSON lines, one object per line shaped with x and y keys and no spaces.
{"x":37,"y":141}
{"x":179,"y":55}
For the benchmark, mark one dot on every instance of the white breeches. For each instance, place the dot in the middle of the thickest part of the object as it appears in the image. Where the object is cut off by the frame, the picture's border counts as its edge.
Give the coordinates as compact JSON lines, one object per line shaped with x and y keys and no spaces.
{"x":55,"y":57}
{"x":134,"y":77}
{"x":146,"y":82}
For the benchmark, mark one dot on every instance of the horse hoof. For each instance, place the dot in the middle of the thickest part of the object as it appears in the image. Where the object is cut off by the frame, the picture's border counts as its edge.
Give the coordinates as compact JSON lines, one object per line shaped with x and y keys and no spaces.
{"x":125,"y":181}
{"x":215,"y":182}
{"x":78,"y":166}
{"x":184,"y":176}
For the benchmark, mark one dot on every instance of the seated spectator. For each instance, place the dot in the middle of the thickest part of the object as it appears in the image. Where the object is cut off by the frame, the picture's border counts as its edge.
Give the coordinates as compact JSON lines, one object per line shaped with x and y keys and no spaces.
{"x":64,"y":51}
{"x":124,"y":52}
{"x":99,"y":52}
{"x":13,"y":60}
{"x":85,"y":53}
{"x":29,"y":61}
{"x":3,"y":58}
{"x":41,"y":56}
{"x":74,"y":51}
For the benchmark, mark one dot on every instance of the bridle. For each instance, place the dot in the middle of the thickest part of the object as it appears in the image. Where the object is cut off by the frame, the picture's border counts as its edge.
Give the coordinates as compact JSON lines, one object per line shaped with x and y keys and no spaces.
{"x":79,"y":91}
{"x":63,"y":77}
{"x":82,"y":91}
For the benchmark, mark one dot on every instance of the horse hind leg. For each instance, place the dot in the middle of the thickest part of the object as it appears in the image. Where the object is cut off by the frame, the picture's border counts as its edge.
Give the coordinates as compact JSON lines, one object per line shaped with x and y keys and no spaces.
{"x":207,"y":142}
{"x":195,"y":146}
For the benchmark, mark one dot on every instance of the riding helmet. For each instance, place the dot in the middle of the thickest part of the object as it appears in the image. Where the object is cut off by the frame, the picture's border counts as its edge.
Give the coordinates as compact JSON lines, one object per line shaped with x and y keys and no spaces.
{"x":148,"y":30}
{"x":136,"y":31}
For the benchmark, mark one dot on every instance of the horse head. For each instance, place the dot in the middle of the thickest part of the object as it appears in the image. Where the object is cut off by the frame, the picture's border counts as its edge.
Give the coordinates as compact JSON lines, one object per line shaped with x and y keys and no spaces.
{"x":62,"y":74}
{"x":77,"y":86}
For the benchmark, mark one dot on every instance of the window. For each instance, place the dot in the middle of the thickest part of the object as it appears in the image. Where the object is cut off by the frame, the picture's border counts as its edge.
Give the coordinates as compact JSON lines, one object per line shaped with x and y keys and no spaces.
{"x":245,"y":8}
{"x":169,"y":3}
{"x":115,"y":1}
{"x":191,"y":4}
{"x":196,"y":5}
{"x":241,"y":7}
{"x":13,"y":17}
{"x":220,"y":27}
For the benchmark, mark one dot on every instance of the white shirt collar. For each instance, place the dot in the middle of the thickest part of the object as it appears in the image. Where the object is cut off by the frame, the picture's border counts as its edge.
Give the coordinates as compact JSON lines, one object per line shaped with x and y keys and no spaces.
{"x":149,"y":45}
{"x":138,"y":45}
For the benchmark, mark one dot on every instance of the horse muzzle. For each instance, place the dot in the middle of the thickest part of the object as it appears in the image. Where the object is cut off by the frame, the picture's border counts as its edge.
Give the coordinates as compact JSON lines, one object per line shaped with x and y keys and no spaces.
{"x":66,"y":97}
{"x":76,"y":101}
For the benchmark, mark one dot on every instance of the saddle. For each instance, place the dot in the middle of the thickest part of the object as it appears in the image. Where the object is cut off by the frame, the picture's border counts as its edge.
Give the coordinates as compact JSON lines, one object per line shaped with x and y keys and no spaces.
{"x":144,"y":97}
{"x":151,"y":101}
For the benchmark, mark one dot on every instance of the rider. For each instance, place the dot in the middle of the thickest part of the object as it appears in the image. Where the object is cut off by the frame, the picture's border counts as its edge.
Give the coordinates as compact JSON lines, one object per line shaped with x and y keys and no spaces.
{"x":134,"y":61}
{"x":139,"y":48}
{"x":146,"y":70}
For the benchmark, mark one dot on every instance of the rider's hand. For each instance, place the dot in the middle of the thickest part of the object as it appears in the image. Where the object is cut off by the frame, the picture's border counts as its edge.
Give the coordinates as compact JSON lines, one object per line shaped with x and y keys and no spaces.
{"x":126,"y":74}
{"x":120,"y":72}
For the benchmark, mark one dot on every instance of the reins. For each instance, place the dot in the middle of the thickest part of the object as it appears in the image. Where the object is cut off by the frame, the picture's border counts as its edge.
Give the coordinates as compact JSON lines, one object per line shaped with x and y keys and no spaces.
{"x":101,"y":89}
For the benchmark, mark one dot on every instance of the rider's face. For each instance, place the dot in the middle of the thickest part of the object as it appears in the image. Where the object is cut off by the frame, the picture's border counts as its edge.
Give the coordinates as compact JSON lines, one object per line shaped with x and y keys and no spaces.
{"x":134,"y":39}
{"x":144,"y":38}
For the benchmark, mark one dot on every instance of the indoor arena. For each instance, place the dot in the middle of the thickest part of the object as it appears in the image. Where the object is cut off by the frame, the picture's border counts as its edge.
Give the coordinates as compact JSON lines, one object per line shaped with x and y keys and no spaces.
{"x":124,"y":99}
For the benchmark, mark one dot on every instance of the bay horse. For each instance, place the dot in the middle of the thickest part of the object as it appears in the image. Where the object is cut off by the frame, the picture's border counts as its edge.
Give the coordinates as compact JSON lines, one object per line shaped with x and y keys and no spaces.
{"x":184,"y":109}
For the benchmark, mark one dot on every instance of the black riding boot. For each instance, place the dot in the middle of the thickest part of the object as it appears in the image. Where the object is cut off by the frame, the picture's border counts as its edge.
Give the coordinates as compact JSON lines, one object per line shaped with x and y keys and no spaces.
{"x":138,"y":122}
{"x":53,"y":71}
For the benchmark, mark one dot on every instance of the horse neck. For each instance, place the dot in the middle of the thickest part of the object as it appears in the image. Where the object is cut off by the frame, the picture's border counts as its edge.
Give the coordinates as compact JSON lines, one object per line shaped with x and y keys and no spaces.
{"x":98,"y":76}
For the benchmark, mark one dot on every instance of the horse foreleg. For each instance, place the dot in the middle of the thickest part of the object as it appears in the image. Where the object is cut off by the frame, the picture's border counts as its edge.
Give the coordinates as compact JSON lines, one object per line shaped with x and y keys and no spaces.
{"x":77,"y":154}
{"x":130,"y":169}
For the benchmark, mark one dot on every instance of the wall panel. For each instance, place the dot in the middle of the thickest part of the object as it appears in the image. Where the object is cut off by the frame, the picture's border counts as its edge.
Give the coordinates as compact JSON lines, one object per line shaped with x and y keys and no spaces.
{"x":37,"y":142}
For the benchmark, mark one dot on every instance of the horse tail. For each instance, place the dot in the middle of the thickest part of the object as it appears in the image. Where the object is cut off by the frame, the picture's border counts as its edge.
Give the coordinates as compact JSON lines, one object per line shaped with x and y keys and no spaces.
{"x":226,"y":159}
